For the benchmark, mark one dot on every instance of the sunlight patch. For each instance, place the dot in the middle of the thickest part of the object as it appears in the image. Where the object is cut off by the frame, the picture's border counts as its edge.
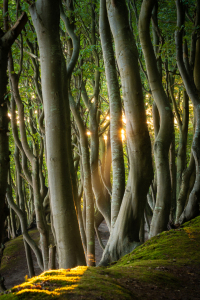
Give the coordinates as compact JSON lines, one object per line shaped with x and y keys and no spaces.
{"x":52,"y":282}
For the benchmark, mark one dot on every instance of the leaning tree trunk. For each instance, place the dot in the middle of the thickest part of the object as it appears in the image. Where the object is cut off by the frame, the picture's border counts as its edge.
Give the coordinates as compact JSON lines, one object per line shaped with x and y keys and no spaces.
{"x":183,"y":174}
{"x":40,"y":217}
{"x":118,"y":182}
{"x":22,"y":207}
{"x":45,"y":15}
{"x":164,"y":137}
{"x":125,"y":234}
{"x":102,"y":202}
{"x":87,"y":183}
{"x":192,"y":86}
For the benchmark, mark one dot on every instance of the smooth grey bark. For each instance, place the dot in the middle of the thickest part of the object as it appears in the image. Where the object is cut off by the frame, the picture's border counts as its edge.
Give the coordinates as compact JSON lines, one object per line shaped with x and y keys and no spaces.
{"x":164,"y":137}
{"x":32,"y":156}
{"x":183,"y":132}
{"x":22,"y":207}
{"x":22,"y":218}
{"x":29,"y":259}
{"x":118,"y":182}
{"x":87,"y":183}
{"x":102,"y":202}
{"x":181,"y":155}
{"x":74,"y":44}
{"x":125,"y":234}
{"x":13,"y":223}
{"x":172,"y":169}
{"x":52,"y":257}
{"x":45,"y":16}
{"x":191,"y":85}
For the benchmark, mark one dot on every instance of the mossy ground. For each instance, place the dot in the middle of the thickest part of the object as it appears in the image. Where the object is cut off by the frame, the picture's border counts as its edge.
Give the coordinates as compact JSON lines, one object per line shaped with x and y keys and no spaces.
{"x":164,"y":267}
{"x":12,"y":249}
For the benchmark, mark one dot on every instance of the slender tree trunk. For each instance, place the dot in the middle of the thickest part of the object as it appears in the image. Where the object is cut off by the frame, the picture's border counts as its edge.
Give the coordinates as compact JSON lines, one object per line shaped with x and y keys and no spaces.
{"x":52,"y":257}
{"x":22,"y":218}
{"x":192,"y":87}
{"x":6,"y":41}
{"x":118,"y":171}
{"x":164,"y":137}
{"x":102,"y":202}
{"x":182,"y":198}
{"x":181,"y":156}
{"x":40,"y":217}
{"x":172,"y":168}
{"x":13,"y":223}
{"x":87,"y":184}
{"x":22,"y":207}
{"x":29,"y":259}
{"x":45,"y":15}
{"x":125,"y":234}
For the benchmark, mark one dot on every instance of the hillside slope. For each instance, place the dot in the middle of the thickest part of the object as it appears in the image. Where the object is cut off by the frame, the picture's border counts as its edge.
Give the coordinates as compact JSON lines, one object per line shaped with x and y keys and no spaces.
{"x":165,"y":267}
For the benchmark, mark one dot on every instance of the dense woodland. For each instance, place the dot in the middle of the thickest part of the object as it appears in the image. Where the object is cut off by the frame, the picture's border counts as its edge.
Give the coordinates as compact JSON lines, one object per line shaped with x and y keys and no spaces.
{"x":99,"y":120}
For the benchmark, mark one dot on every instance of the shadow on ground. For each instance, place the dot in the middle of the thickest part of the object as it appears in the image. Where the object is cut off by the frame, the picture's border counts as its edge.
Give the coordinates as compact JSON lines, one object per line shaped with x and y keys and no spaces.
{"x":165,"y":267}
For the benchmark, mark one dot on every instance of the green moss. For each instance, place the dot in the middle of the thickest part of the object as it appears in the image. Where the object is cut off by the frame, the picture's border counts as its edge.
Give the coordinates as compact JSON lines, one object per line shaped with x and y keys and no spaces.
{"x":13,"y":247}
{"x":169,"y":246}
{"x":151,"y":263}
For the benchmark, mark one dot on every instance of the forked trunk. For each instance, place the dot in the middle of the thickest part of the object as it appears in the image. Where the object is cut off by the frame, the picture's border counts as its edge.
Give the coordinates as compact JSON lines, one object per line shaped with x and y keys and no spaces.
{"x":125,"y":234}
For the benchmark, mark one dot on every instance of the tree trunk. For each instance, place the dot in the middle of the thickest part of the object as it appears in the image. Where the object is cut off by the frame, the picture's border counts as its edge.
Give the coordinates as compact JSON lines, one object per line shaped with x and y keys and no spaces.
{"x":6,"y":41}
{"x":52,"y":257}
{"x":172,"y":168}
{"x":13,"y":223}
{"x":45,"y":15}
{"x":192,"y":87}
{"x":164,"y":137}
{"x":181,"y":156}
{"x":118,"y":185}
{"x":87,"y":184}
{"x":125,"y":234}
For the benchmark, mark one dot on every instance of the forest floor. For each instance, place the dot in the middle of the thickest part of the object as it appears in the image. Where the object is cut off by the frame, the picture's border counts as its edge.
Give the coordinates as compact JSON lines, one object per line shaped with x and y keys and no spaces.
{"x":164,"y":267}
{"x":14,"y":267}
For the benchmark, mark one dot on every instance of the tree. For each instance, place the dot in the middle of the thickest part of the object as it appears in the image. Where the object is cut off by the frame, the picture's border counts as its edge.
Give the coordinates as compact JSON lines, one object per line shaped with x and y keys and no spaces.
{"x":57,"y":132}
{"x":125,"y":234}
{"x":164,"y":137}
{"x":7,"y":39}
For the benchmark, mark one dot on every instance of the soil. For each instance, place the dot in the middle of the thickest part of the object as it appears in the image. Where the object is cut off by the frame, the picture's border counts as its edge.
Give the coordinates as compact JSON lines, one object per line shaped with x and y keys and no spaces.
{"x":188,"y":287}
{"x":18,"y":270}
{"x":182,"y":284}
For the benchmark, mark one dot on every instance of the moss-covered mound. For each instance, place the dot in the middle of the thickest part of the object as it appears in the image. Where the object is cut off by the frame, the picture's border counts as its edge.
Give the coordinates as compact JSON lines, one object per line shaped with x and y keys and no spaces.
{"x":12,"y":250}
{"x":165,"y":267}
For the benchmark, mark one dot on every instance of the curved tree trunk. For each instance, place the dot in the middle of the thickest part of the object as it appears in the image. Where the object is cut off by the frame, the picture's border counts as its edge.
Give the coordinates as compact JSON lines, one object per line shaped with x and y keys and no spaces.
{"x":45,"y":15}
{"x":40,"y":216}
{"x":87,"y":184}
{"x":73,"y":53}
{"x":6,"y":41}
{"x":102,"y":202}
{"x":192,"y":87}
{"x":118,"y":185}
{"x":164,"y":137}
{"x":22,"y":207}
{"x":181,"y":156}
{"x":125,"y":234}
{"x":26,"y":236}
